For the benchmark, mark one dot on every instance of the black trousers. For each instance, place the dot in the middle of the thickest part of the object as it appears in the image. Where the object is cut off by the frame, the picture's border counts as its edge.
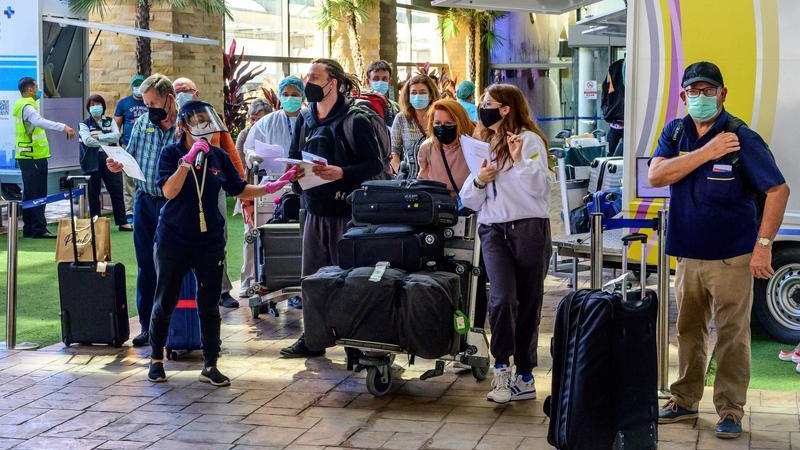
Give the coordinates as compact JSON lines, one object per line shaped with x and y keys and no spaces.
{"x":113,"y":182}
{"x":517,"y":255}
{"x":34,"y":185}
{"x":171,"y":266}
{"x":613,"y":138}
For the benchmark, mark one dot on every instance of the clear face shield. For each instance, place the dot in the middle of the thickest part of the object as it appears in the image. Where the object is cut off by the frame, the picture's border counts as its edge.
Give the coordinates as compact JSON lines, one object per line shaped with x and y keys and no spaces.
{"x":201,"y":120}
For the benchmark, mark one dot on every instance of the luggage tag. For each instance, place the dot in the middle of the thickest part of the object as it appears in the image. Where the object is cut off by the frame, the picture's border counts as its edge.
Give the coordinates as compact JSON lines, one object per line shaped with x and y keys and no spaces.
{"x":378,"y":272}
{"x":101,"y":267}
{"x":461,"y":322}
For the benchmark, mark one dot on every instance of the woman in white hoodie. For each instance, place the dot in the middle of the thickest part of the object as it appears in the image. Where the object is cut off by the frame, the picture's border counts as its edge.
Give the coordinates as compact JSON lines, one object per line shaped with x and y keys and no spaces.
{"x":511,"y":195}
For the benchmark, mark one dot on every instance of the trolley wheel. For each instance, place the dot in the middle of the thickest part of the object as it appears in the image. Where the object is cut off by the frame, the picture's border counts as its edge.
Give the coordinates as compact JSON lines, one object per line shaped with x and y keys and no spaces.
{"x":172,"y":355}
{"x":116,"y":344}
{"x":480,"y":373}
{"x":378,"y":384}
{"x":255,"y":310}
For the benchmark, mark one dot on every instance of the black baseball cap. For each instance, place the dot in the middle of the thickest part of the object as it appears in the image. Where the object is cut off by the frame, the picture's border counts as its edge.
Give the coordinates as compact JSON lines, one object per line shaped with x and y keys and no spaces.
{"x":702,"y":71}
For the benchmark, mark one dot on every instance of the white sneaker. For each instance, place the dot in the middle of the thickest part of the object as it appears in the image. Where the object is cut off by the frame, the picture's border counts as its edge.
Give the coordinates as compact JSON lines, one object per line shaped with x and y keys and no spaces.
{"x":501,"y":383}
{"x":523,"y":390}
{"x":797,"y":368}
{"x":790,"y":356}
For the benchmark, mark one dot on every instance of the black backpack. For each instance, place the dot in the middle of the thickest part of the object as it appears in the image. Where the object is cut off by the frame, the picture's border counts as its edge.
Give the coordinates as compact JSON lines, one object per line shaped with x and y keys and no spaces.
{"x":732,"y":126}
{"x":613,"y":101}
{"x":359,"y":107}
{"x":288,"y":209}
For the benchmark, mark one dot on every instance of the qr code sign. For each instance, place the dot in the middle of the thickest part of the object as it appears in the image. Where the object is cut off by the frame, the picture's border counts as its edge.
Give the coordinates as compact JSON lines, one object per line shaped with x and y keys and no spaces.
{"x":4,"y":107}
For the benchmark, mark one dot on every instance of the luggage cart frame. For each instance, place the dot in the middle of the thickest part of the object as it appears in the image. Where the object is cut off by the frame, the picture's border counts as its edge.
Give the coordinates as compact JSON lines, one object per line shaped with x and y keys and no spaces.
{"x":377,"y":358}
{"x":260,"y":299}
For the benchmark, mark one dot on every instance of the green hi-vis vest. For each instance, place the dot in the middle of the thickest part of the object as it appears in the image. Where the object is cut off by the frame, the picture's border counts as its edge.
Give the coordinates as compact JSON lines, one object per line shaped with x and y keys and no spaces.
{"x":33,"y":145}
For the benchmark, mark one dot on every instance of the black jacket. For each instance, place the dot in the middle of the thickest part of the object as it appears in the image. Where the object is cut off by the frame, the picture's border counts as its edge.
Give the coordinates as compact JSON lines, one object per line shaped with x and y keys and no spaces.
{"x":326,"y":138}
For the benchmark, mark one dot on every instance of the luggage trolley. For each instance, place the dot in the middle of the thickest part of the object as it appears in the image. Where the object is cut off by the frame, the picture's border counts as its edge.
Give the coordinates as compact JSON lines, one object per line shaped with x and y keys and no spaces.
{"x":278,"y":255}
{"x":462,"y":250}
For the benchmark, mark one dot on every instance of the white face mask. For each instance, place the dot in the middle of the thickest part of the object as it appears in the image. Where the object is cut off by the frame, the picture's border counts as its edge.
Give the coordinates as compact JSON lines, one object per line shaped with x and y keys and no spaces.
{"x":183,"y":98}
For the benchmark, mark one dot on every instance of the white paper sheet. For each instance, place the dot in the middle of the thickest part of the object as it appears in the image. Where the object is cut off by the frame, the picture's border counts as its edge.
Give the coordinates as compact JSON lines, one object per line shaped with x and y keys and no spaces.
{"x":269,"y":153}
{"x":475,"y":152}
{"x":129,"y":164}
{"x":309,"y":180}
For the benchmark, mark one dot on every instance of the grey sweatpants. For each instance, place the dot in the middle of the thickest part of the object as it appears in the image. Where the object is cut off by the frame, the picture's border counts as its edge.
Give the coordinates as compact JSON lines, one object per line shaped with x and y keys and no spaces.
{"x":516,"y":255}
{"x":223,"y":209}
{"x":321,"y":237}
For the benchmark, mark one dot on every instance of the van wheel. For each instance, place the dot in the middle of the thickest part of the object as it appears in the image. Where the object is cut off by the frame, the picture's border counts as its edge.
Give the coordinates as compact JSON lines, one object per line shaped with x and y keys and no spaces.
{"x":776,"y":302}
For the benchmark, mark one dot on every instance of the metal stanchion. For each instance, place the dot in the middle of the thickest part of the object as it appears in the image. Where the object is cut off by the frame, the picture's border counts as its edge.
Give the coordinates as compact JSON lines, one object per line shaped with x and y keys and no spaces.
{"x":662,"y":327}
{"x":11,"y":281}
{"x":596,"y":256}
{"x":83,"y":201}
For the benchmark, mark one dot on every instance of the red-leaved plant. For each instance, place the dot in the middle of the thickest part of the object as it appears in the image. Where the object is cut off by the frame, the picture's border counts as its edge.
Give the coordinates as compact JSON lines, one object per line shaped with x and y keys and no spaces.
{"x":236,"y":73}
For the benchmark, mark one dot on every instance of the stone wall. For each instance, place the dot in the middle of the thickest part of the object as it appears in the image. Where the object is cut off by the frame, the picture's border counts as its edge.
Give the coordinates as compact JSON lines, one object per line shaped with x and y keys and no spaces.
{"x":113,"y":61}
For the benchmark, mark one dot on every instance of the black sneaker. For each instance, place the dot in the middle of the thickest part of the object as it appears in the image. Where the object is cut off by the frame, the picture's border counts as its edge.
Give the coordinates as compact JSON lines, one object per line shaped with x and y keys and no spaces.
{"x":214,"y":376}
{"x":225,"y":300}
{"x":141,"y":340}
{"x":295,"y":302}
{"x":299,"y":350}
{"x":156,"y":373}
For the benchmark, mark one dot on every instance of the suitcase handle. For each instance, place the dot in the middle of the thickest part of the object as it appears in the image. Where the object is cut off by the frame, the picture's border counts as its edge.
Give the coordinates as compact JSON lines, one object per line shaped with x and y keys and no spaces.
{"x":627,"y":240}
{"x":70,"y":185}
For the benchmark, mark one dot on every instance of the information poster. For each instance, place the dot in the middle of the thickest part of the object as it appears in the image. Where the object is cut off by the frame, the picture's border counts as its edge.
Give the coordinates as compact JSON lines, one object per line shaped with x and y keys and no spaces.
{"x":19,"y":57}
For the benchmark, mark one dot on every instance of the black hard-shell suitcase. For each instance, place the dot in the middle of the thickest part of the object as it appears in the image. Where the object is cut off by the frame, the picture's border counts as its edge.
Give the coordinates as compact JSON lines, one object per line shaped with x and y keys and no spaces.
{"x":94,"y":305}
{"x":413,"y":202}
{"x":604,"y":381}
{"x":281,"y":249}
{"x":402,"y":246}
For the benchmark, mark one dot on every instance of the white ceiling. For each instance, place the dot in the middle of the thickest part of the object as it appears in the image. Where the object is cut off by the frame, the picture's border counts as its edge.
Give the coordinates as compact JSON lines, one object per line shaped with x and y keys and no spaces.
{"x":535,"y":6}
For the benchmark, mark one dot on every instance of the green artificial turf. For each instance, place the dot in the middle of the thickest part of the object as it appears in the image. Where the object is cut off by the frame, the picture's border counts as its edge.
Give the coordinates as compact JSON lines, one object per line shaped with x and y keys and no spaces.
{"x":37,"y":283}
{"x":767,"y":371}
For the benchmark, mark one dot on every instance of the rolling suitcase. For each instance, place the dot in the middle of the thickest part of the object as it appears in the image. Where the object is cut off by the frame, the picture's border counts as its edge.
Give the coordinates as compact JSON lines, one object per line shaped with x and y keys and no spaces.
{"x":606,"y":173}
{"x":281,"y":250}
{"x":604,"y":378}
{"x":419,"y":203}
{"x":94,"y":305}
{"x":184,"y":327}
{"x":402,"y":246}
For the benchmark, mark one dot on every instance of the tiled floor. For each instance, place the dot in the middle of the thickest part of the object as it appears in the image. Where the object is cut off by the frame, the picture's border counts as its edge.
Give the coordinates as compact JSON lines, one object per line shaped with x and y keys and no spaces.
{"x":95,"y":398}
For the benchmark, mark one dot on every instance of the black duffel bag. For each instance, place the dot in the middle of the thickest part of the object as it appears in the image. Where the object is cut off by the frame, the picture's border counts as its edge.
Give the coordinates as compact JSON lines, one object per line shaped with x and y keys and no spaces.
{"x":402,"y":246}
{"x":419,"y":203}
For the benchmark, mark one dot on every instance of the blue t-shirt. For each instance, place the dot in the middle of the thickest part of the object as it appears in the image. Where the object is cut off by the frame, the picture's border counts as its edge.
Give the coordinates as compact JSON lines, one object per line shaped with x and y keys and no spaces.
{"x":179,"y":221}
{"x":712,"y":213}
{"x":129,"y":109}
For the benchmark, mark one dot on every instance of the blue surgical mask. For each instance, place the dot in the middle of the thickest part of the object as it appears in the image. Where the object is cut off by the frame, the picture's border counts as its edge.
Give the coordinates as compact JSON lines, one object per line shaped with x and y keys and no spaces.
{"x":137,"y":92}
{"x":472,"y":109}
{"x":702,"y":108}
{"x":38,"y":94}
{"x":96,"y":110}
{"x":183,"y":98}
{"x":420,"y":101}
{"x":381,"y":87}
{"x":291,"y":104}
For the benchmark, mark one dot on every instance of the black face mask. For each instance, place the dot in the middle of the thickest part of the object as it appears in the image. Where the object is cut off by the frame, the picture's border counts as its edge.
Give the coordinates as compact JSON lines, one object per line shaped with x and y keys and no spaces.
{"x":314,"y":92}
{"x":489,"y":117}
{"x":446,"y":134}
{"x":157,"y":115}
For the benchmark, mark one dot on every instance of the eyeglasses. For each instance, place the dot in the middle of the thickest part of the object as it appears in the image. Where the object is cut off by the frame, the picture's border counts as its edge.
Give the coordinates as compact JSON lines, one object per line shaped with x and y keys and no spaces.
{"x":487,"y":103}
{"x":708,"y":92}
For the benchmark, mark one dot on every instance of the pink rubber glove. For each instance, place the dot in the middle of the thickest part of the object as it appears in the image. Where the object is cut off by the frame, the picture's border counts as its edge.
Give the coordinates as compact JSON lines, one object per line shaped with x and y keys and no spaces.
{"x":200,"y":145}
{"x":276,"y":186}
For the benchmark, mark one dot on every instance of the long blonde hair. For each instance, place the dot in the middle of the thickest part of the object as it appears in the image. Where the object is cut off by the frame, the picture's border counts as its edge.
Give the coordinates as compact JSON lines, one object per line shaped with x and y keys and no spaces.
{"x":518,"y":119}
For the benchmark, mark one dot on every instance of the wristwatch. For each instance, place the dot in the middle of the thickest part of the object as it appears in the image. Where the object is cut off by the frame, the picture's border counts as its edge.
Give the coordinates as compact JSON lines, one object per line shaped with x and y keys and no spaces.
{"x":183,"y":163}
{"x":764,"y":242}
{"x":478,"y":183}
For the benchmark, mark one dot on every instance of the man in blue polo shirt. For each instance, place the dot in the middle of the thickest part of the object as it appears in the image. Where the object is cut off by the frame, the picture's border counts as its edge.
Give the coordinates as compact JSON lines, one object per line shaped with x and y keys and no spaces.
{"x":721,"y":175}
{"x":128,"y":110}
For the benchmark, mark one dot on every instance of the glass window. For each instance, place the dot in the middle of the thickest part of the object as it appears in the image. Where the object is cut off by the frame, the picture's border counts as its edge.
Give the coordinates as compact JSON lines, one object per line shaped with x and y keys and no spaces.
{"x":418,"y":37}
{"x":305,"y":38}
{"x":256,"y":26}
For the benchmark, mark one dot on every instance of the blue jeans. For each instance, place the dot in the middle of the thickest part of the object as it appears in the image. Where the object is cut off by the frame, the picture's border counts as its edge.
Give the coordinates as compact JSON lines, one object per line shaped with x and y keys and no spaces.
{"x":146,"y":209}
